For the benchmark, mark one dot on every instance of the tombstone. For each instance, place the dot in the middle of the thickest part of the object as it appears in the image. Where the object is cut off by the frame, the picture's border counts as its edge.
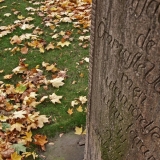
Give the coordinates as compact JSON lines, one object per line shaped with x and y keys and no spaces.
{"x":123,"y":120}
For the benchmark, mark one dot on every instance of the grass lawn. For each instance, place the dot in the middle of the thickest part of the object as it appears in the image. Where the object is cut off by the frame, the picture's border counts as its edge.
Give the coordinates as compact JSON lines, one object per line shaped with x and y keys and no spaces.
{"x":42,"y":41}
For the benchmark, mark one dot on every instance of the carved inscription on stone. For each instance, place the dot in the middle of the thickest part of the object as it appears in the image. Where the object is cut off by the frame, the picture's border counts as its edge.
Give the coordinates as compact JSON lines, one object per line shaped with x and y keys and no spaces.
{"x":125,"y":87}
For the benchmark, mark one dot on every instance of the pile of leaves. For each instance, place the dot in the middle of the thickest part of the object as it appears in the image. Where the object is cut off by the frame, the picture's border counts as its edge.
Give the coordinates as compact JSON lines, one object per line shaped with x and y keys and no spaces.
{"x":19,"y":100}
{"x":53,"y":13}
{"x":18,"y":108}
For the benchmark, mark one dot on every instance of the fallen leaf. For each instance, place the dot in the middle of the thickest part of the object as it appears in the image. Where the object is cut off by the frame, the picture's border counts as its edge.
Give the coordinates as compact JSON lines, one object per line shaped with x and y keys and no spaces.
{"x":80,"y":109}
{"x":15,"y":39}
{"x":17,"y":126}
{"x":7,"y":14}
{"x":28,"y":137}
{"x":83,"y":99}
{"x":78,"y":130}
{"x":70,"y":111}
{"x":20,"y":17}
{"x":19,"y":148}
{"x":66,"y":43}
{"x":43,"y":98}
{"x":8,"y":76}
{"x":19,"y":114}
{"x":3,"y":118}
{"x":50,"y":46}
{"x":20,"y":88}
{"x":54,"y":98}
{"x":15,"y":156}
{"x":24,"y":50}
{"x":57,"y":82}
{"x":40,"y":140}
{"x":41,"y":119}
{"x":86,"y":59}
{"x":61,"y":134}
{"x":74,"y":103}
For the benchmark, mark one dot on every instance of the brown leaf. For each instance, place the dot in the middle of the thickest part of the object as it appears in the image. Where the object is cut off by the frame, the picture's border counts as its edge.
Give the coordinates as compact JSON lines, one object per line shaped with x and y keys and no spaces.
{"x":40,"y":140}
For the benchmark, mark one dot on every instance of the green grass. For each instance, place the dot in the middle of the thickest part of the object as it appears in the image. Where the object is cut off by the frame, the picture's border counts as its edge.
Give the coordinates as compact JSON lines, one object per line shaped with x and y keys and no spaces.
{"x":66,"y":59}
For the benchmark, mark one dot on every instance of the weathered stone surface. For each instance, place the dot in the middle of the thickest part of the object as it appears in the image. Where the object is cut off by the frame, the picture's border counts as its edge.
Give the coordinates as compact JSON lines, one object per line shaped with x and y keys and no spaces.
{"x":124,"y":98}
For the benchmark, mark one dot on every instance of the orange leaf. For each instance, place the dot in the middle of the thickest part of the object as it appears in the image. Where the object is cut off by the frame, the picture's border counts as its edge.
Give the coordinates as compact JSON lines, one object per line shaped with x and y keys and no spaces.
{"x":70,"y":111}
{"x":40,"y":140}
{"x":24,"y":50}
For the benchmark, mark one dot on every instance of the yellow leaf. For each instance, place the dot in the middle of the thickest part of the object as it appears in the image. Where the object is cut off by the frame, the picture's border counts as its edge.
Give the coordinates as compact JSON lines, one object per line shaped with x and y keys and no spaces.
{"x":66,"y":43}
{"x":7,"y":14}
{"x":50,"y":46}
{"x":41,"y":120}
{"x":28,"y":137}
{"x":81,"y":75}
{"x":57,"y":82}
{"x":8,"y":76}
{"x":20,"y":17}
{"x":84,"y":132}
{"x":3,"y":118}
{"x":70,"y":111}
{"x":41,"y":49}
{"x":80,"y":109}
{"x":83,"y":99}
{"x":17,"y":126}
{"x":54,"y":98}
{"x":15,"y":156}
{"x":78,"y":130}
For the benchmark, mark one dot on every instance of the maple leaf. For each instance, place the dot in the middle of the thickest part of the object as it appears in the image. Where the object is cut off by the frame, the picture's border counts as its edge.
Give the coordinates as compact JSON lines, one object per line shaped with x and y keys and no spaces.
{"x":55,"y":36}
{"x":8,"y":76}
{"x":83,"y":99}
{"x":28,"y":137}
{"x":62,"y":44}
{"x":19,"y":69}
{"x":54,"y":98}
{"x":78,"y":130}
{"x":40,"y":140}
{"x":57,"y":82}
{"x":50,"y":46}
{"x":80,"y":109}
{"x":3,"y":118}
{"x":15,"y":156}
{"x":7,"y":14}
{"x":15,"y":39}
{"x":19,"y":148}
{"x":20,"y":17}
{"x":20,"y":88}
{"x":24,"y":50}
{"x":19,"y":114}
{"x":75,"y":102}
{"x":51,"y":68}
{"x":44,"y":64}
{"x":17,"y":126}
{"x":41,"y":120}
{"x":70,"y":111}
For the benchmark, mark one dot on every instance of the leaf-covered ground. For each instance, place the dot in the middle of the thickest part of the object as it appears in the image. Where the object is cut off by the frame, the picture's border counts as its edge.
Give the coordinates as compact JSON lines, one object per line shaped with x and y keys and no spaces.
{"x":43,"y":72}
